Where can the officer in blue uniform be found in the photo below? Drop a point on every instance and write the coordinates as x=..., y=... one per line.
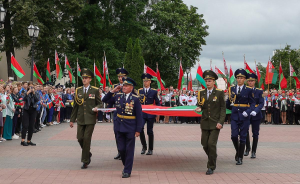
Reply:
x=241, y=102
x=121, y=72
x=255, y=115
x=128, y=124
x=148, y=96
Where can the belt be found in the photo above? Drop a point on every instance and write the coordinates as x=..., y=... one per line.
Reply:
x=241, y=105
x=125, y=117
x=256, y=105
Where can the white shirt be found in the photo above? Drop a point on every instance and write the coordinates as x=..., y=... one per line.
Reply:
x=182, y=99
x=127, y=95
x=86, y=89
x=146, y=90
x=237, y=89
x=208, y=92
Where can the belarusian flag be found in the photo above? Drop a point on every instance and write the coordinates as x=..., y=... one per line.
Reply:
x=220, y=74
x=231, y=76
x=48, y=74
x=97, y=74
x=37, y=74
x=160, y=84
x=180, y=77
x=105, y=81
x=247, y=67
x=148, y=70
x=62, y=104
x=199, y=76
x=16, y=67
x=259, y=80
x=78, y=69
x=293, y=74
x=49, y=105
x=271, y=74
x=190, y=85
x=59, y=73
x=282, y=80
x=68, y=67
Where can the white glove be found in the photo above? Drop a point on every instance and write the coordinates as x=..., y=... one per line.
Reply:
x=253, y=113
x=245, y=114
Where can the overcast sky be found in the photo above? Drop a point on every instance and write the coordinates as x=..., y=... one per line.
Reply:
x=254, y=28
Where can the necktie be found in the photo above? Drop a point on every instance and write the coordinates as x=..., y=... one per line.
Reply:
x=239, y=90
x=85, y=90
x=146, y=91
x=209, y=93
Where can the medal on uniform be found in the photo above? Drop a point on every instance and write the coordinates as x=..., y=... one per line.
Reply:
x=215, y=98
x=233, y=97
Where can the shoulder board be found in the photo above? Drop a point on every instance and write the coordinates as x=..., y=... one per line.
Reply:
x=153, y=89
x=135, y=95
x=79, y=87
x=248, y=87
x=119, y=93
x=94, y=87
x=219, y=89
x=259, y=88
x=140, y=89
x=202, y=89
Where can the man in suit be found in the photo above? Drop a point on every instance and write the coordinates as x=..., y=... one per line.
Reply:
x=128, y=123
x=255, y=115
x=148, y=96
x=121, y=72
x=87, y=100
x=241, y=103
x=212, y=104
x=290, y=108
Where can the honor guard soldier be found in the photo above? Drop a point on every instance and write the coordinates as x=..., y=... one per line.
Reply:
x=241, y=102
x=121, y=72
x=148, y=96
x=212, y=104
x=128, y=123
x=255, y=115
x=87, y=100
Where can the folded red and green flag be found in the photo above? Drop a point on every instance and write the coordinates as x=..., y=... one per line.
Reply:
x=49, y=105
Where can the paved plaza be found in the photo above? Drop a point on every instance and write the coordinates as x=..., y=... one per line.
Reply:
x=178, y=157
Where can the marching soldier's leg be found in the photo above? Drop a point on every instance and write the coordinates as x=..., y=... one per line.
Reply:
x=150, y=135
x=86, y=154
x=130, y=144
x=212, y=149
x=143, y=138
x=255, y=131
x=244, y=127
x=204, y=140
x=247, y=144
x=118, y=156
x=121, y=138
x=234, y=137
x=80, y=135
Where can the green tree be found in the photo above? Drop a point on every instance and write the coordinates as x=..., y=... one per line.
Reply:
x=177, y=31
x=128, y=55
x=137, y=64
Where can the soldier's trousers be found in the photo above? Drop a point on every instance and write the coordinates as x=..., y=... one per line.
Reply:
x=150, y=122
x=84, y=137
x=239, y=128
x=126, y=144
x=209, y=139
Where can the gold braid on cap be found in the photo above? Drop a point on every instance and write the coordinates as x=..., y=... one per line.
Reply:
x=77, y=100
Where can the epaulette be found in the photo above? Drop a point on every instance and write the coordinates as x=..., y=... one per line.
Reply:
x=153, y=89
x=135, y=95
x=248, y=87
x=202, y=89
x=259, y=88
x=140, y=89
x=94, y=87
x=79, y=87
x=119, y=93
x=219, y=89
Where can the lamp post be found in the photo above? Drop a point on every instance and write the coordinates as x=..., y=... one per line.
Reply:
x=187, y=77
x=2, y=15
x=33, y=32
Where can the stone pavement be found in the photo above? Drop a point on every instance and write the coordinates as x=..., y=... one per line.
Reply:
x=178, y=157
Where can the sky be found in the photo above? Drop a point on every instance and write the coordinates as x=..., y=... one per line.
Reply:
x=254, y=28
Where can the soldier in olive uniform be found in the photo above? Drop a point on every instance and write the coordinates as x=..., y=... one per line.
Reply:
x=87, y=100
x=212, y=104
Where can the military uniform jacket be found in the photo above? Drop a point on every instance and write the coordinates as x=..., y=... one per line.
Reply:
x=148, y=99
x=213, y=108
x=129, y=112
x=83, y=105
x=246, y=97
x=259, y=101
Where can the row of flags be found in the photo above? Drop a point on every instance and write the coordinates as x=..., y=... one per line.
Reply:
x=103, y=80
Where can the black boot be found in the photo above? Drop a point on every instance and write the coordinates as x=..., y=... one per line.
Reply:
x=118, y=156
x=236, y=146
x=254, y=147
x=241, y=154
x=247, y=145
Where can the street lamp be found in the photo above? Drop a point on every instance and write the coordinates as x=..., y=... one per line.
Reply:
x=33, y=32
x=2, y=15
x=187, y=77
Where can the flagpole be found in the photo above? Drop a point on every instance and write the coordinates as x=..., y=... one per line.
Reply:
x=268, y=75
x=77, y=72
x=256, y=73
x=290, y=73
x=94, y=73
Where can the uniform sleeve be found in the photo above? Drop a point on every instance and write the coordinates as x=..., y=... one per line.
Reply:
x=251, y=101
x=156, y=99
x=74, y=112
x=222, y=108
x=261, y=103
x=99, y=102
x=109, y=98
x=138, y=116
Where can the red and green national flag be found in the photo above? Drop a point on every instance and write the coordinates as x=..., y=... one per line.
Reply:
x=282, y=79
x=271, y=74
x=106, y=80
x=59, y=73
x=220, y=74
x=160, y=84
x=97, y=74
x=199, y=76
x=259, y=80
x=16, y=67
x=180, y=77
x=247, y=67
x=62, y=104
x=231, y=76
x=78, y=69
x=293, y=74
x=49, y=105
x=68, y=67
x=37, y=75
x=48, y=73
